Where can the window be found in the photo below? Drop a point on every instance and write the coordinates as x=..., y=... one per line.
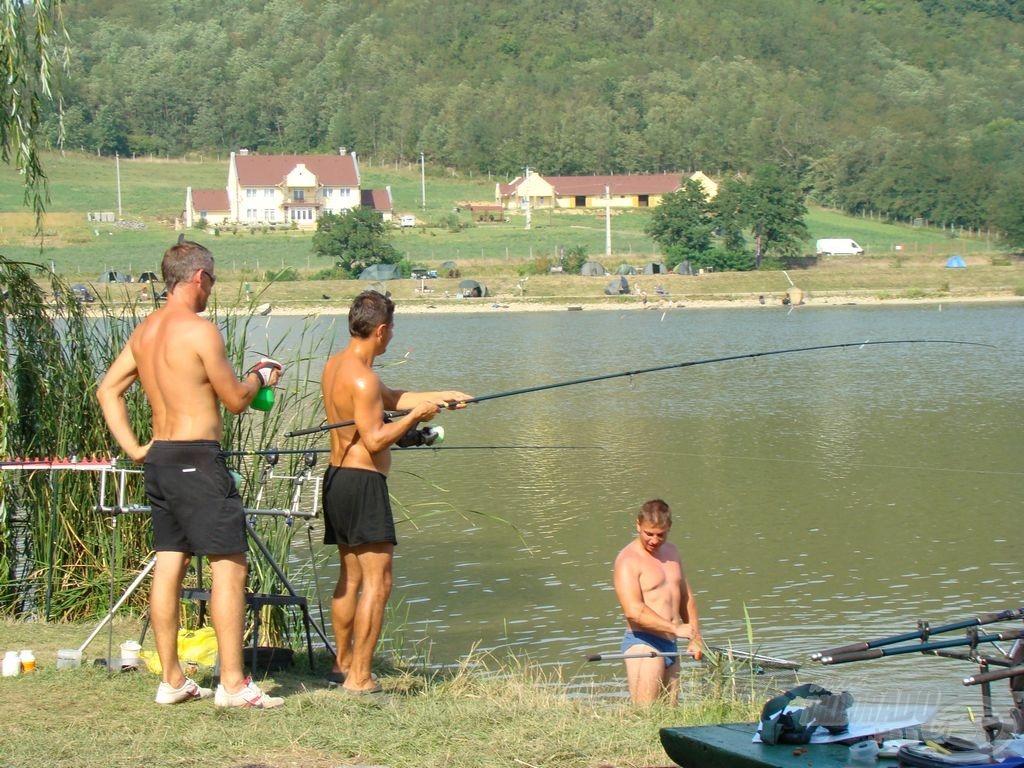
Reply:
x=301, y=214
x=250, y=192
x=268, y=192
x=345, y=193
x=326, y=192
x=251, y=214
x=299, y=195
x=270, y=214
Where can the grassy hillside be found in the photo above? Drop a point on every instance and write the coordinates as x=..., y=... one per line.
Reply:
x=152, y=195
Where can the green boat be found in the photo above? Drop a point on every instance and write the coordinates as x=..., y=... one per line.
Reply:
x=731, y=746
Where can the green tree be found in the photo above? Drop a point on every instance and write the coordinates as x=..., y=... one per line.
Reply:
x=34, y=48
x=356, y=239
x=682, y=224
x=769, y=206
x=1005, y=209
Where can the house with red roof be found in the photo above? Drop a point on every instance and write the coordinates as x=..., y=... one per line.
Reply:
x=285, y=190
x=568, y=192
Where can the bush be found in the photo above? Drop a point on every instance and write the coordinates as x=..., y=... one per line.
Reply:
x=286, y=275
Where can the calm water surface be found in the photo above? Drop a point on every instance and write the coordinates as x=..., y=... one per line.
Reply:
x=831, y=496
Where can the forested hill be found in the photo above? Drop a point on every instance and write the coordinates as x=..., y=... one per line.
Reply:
x=908, y=107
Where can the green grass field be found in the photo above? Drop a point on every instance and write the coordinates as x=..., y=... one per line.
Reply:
x=152, y=194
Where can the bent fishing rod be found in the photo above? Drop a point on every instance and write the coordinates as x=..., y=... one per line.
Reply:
x=638, y=371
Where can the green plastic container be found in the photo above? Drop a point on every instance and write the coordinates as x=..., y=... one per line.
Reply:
x=264, y=399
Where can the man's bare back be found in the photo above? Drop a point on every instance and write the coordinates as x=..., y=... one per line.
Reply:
x=168, y=348
x=343, y=375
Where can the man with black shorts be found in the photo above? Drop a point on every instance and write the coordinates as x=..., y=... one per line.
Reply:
x=181, y=361
x=357, y=509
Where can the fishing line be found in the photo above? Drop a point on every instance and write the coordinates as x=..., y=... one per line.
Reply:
x=652, y=369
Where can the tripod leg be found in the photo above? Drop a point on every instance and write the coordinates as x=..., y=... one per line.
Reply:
x=285, y=583
x=121, y=600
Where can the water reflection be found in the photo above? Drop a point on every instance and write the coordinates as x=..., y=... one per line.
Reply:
x=832, y=496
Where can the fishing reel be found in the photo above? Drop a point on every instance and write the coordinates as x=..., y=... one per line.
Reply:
x=421, y=436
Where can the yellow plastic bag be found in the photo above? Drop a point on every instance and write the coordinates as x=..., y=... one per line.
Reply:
x=196, y=647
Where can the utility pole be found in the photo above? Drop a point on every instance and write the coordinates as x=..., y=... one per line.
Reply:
x=117, y=166
x=423, y=182
x=607, y=221
x=526, y=178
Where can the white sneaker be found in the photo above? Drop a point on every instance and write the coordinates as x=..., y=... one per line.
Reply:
x=189, y=691
x=249, y=696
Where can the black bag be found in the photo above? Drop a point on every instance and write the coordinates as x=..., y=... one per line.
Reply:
x=829, y=710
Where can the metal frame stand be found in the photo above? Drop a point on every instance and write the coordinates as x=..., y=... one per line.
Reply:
x=254, y=601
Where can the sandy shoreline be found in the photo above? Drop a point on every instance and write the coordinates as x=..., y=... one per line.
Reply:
x=451, y=306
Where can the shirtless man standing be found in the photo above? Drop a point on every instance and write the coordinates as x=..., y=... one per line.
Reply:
x=659, y=606
x=180, y=359
x=357, y=508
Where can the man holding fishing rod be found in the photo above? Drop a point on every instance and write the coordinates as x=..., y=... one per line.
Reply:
x=181, y=361
x=357, y=507
x=659, y=606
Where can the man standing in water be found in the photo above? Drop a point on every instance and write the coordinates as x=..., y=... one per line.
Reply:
x=659, y=606
x=180, y=359
x=357, y=508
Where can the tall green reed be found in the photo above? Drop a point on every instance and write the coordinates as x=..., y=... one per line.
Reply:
x=54, y=545
x=59, y=556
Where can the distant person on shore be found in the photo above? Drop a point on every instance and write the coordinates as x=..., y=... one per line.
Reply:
x=180, y=359
x=659, y=607
x=357, y=508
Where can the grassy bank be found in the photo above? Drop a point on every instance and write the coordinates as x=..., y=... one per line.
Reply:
x=899, y=257
x=513, y=715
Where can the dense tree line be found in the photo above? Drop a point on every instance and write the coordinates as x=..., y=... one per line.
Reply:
x=909, y=108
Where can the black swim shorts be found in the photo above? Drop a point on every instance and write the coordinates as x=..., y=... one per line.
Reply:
x=357, y=508
x=196, y=506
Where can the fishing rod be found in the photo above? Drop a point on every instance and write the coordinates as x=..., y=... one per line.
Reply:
x=303, y=451
x=765, y=661
x=923, y=632
x=652, y=369
x=876, y=653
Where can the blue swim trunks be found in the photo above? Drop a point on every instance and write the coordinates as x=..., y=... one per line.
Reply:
x=657, y=642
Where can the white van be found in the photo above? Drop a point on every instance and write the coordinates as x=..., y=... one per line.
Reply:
x=407, y=221
x=838, y=246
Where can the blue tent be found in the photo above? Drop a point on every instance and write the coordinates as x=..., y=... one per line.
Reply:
x=955, y=262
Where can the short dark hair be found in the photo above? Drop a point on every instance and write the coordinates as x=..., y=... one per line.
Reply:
x=655, y=512
x=182, y=260
x=369, y=309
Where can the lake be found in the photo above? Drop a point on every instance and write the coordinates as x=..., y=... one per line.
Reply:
x=830, y=496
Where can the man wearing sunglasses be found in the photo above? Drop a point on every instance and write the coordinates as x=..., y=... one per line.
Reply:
x=180, y=359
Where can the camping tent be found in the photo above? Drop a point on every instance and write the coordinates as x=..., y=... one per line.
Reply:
x=625, y=269
x=472, y=289
x=655, y=268
x=617, y=287
x=448, y=269
x=955, y=262
x=684, y=268
x=381, y=272
x=593, y=269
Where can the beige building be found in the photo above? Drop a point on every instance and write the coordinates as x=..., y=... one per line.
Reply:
x=566, y=192
x=285, y=190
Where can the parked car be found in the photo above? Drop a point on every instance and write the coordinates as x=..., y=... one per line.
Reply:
x=838, y=246
x=82, y=293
